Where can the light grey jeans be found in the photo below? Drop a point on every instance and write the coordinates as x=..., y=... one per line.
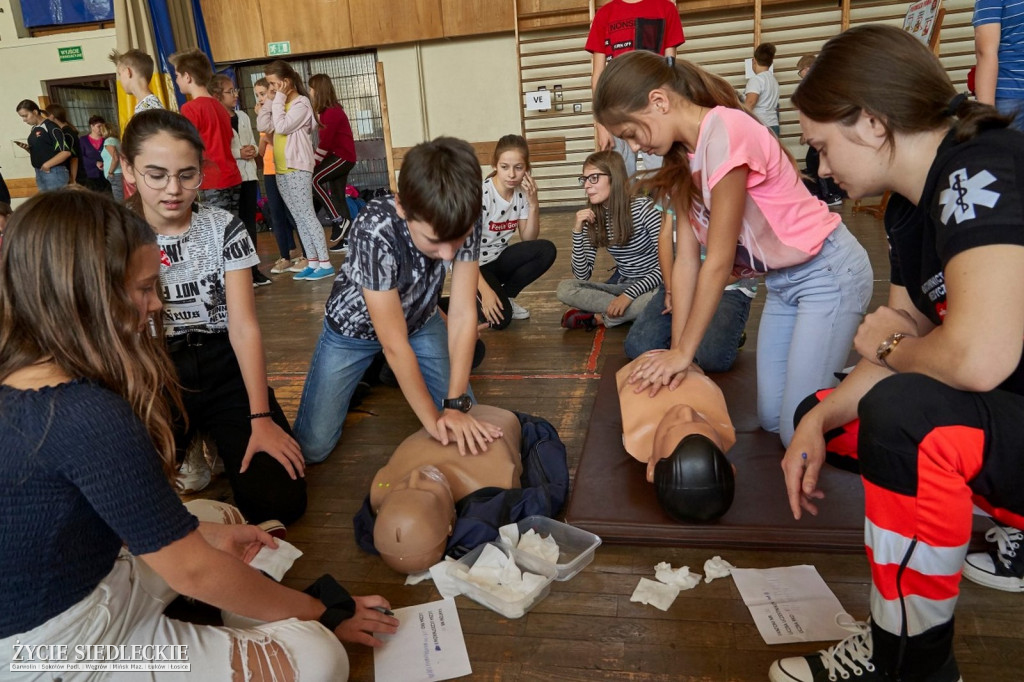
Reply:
x=594, y=297
x=296, y=189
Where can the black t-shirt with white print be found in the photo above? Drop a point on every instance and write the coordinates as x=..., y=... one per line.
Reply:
x=192, y=267
x=973, y=196
x=381, y=257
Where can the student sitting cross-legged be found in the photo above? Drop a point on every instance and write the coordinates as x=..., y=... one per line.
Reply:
x=385, y=298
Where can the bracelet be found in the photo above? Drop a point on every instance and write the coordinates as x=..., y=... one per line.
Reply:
x=260, y=415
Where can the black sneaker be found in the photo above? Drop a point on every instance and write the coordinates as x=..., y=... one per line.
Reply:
x=339, y=230
x=260, y=280
x=850, y=659
x=340, y=247
x=1001, y=568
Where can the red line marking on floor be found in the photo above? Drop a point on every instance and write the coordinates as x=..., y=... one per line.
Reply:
x=595, y=351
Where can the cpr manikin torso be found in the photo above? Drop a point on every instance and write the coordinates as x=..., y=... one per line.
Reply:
x=682, y=436
x=414, y=494
x=652, y=426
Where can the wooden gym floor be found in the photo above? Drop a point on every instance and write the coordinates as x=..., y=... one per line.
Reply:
x=586, y=629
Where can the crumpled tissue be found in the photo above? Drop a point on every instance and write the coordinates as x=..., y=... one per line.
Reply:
x=276, y=562
x=679, y=577
x=497, y=574
x=717, y=567
x=655, y=594
x=439, y=574
x=531, y=542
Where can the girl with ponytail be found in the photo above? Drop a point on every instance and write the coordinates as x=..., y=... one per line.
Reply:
x=745, y=202
x=939, y=390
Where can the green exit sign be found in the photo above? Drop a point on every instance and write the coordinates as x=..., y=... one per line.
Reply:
x=279, y=48
x=70, y=54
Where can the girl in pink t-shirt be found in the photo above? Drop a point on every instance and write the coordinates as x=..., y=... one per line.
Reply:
x=747, y=205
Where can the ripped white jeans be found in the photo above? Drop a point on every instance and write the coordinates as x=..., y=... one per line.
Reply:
x=127, y=608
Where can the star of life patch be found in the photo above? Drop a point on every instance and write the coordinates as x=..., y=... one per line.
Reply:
x=964, y=194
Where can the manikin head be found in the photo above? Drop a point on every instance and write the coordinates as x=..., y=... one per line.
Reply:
x=414, y=521
x=695, y=482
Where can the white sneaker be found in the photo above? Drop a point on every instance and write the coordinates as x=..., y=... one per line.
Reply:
x=194, y=474
x=1001, y=568
x=518, y=311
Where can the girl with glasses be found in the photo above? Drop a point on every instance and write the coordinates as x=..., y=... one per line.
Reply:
x=95, y=543
x=209, y=320
x=745, y=202
x=626, y=226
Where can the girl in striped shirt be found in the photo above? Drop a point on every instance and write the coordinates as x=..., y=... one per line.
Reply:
x=628, y=228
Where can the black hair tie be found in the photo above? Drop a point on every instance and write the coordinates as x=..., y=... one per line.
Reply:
x=954, y=104
x=671, y=61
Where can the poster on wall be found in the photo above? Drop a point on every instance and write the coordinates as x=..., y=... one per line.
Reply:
x=920, y=19
x=36, y=13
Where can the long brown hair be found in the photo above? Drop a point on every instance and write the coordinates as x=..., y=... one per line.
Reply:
x=623, y=91
x=615, y=211
x=510, y=143
x=282, y=69
x=324, y=96
x=64, y=298
x=889, y=73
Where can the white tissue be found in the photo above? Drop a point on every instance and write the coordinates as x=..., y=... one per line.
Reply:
x=539, y=546
x=417, y=578
x=655, y=594
x=509, y=535
x=717, y=567
x=276, y=562
x=442, y=580
x=679, y=577
x=497, y=574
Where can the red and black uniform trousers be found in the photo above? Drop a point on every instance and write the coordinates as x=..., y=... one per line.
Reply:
x=926, y=453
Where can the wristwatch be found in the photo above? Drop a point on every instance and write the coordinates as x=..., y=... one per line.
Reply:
x=888, y=346
x=462, y=403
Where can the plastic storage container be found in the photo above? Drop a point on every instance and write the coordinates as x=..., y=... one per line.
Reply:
x=576, y=547
x=509, y=609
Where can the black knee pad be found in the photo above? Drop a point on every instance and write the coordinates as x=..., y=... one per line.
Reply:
x=695, y=483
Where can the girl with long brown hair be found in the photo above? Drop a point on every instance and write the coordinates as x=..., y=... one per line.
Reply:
x=290, y=117
x=335, y=157
x=628, y=227
x=939, y=390
x=95, y=541
x=746, y=204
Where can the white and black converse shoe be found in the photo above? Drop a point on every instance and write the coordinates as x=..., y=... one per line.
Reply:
x=1001, y=568
x=849, y=660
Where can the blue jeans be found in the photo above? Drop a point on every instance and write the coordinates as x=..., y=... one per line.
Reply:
x=1012, y=107
x=339, y=362
x=55, y=179
x=720, y=345
x=811, y=314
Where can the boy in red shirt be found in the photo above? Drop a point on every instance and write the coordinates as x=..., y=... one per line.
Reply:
x=222, y=180
x=625, y=25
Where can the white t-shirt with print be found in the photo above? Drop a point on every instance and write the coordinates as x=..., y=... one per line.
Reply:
x=501, y=220
x=766, y=108
x=192, y=267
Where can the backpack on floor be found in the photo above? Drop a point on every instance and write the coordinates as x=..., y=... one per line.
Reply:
x=545, y=488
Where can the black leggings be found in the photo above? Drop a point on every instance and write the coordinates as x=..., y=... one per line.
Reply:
x=217, y=404
x=334, y=172
x=518, y=266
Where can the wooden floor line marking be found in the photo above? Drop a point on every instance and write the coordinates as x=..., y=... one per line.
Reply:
x=595, y=351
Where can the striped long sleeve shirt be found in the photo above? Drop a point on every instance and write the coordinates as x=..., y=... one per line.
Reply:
x=636, y=261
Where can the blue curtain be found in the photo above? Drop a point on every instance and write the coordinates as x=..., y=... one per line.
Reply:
x=61, y=12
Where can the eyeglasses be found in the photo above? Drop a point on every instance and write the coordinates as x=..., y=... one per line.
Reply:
x=591, y=179
x=187, y=179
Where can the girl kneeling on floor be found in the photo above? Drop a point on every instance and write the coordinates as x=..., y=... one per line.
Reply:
x=628, y=227
x=747, y=206
x=96, y=543
x=209, y=320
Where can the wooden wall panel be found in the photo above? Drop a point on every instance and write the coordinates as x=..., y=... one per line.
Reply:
x=309, y=25
x=235, y=28
x=477, y=17
x=395, y=21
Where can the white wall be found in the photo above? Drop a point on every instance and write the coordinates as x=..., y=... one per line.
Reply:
x=27, y=64
x=468, y=89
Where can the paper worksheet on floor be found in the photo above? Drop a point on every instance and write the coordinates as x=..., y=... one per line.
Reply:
x=792, y=604
x=428, y=647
